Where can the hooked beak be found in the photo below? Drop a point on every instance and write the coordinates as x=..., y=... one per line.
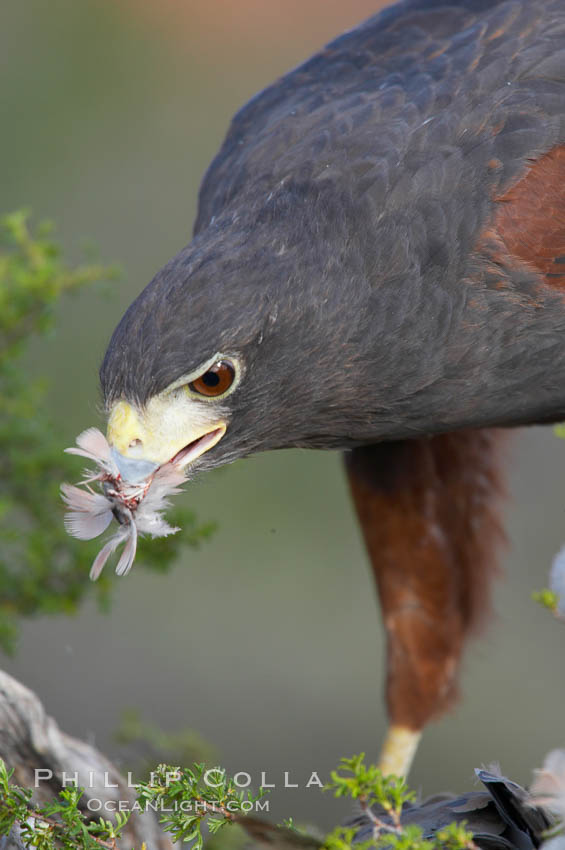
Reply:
x=169, y=429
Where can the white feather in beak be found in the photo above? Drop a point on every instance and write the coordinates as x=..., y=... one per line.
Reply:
x=136, y=507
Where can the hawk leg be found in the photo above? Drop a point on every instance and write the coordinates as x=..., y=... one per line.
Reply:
x=428, y=509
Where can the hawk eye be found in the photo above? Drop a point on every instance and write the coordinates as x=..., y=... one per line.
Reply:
x=216, y=380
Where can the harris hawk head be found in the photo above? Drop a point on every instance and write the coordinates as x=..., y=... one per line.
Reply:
x=247, y=340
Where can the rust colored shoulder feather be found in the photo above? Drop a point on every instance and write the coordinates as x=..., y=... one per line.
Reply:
x=530, y=217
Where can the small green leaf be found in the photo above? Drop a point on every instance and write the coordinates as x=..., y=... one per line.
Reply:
x=547, y=599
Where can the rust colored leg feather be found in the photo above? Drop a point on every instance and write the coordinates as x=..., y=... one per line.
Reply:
x=428, y=510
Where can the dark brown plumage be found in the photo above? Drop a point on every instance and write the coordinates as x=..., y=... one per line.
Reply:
x=379, y=252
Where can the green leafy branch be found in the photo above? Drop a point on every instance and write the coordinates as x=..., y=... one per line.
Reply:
x=33, y=277
x=186, y=797
x=43, y=570
x=57, y=825
x=146, y=744
x=548, y=599
x=372, y=789
x=192, y=797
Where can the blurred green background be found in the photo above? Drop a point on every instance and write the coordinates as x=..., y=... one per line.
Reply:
x=110, y=112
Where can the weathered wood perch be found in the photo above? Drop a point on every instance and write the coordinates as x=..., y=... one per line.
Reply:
x=30, y=740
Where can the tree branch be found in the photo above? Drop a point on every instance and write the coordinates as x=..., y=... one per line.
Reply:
x=31, y=740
